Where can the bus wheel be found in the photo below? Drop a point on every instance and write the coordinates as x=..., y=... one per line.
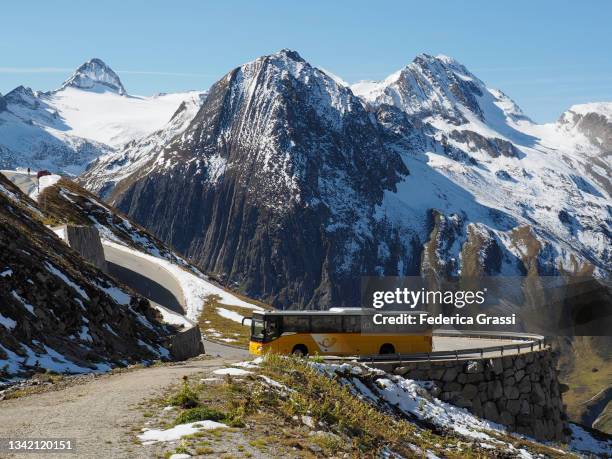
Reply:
x=299, y=350
x=387, y=349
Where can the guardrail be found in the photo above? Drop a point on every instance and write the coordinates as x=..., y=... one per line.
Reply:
x=530, y=343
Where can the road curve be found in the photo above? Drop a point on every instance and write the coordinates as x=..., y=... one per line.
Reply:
x=146, y=278
x=26, y=183
x=161, y=288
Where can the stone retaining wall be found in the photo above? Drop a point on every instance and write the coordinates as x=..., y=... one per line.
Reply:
x=521, y=392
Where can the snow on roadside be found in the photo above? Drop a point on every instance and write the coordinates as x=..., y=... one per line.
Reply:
x=411, y=398
x=171, y=317
x=150, y=436
x=195, y=287
x=231, y=315
x=44, y=182
x=232, y=372
x=7, y=322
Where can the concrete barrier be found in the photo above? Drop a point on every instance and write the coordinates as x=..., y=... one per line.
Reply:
x=186, y=344
x=86, y=241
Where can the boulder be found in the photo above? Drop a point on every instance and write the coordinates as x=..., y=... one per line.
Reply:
x=495, y=390
x=496, y=366
x=524, y=386
x=514, y=406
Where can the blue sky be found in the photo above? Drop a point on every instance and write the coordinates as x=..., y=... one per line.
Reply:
x=546, y=55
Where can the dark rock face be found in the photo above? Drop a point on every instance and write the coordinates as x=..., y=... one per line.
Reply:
x=596, y=127
x=22, y=96
x=59, y=312
x=494, y=147
x=2, y=103
x=273, y=185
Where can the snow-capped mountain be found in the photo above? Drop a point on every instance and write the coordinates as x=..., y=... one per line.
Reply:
x=291, y=184
x=103, y=173
x=90, y=115
x=95, y=75
x=539, y=175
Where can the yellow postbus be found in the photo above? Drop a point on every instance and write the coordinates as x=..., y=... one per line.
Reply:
x=337, y=332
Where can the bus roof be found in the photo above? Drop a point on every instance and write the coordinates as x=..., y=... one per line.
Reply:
x=332, y=312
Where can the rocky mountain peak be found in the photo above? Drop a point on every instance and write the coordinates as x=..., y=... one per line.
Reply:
x=287, y=53
x=23, y=96
x=593, y=120
x=439, y=86
x=95, y=75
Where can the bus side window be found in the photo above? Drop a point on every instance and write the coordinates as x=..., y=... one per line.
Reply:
x=352, y=324
x=326, y=324
x=296, y=324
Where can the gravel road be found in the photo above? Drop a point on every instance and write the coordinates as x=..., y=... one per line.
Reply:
x=99, y=415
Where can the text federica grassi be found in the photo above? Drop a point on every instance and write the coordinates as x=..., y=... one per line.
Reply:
x=426, y=319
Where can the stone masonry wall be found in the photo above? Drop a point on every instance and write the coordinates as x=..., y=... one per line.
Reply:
x=521, y=392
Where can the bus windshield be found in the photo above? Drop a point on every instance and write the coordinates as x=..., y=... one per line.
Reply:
x=257, y=329
x=264, y=330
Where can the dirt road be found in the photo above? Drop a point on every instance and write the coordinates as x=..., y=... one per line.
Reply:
x=101, y=415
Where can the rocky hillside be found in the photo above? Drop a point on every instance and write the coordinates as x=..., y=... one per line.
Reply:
x=290, y=185
x=58, y=312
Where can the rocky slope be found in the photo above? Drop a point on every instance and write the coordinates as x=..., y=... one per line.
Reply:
x=280, y=118
x=290, y=185
x=58, y=312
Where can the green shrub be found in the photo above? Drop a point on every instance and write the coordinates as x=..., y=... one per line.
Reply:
x=235, y=418
x=201, y=413
x=185, y=398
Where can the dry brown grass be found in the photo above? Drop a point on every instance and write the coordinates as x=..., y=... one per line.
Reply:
x=225, y=328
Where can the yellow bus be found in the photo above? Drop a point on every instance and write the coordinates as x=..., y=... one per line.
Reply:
x=337, y=332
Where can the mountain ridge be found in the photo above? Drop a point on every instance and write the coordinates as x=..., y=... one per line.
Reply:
x=450, y=154
x=89, y=116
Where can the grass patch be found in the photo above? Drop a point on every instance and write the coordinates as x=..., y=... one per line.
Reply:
x=344, y=425
x=580, y=376
x=224, y=329
x=201, y=413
